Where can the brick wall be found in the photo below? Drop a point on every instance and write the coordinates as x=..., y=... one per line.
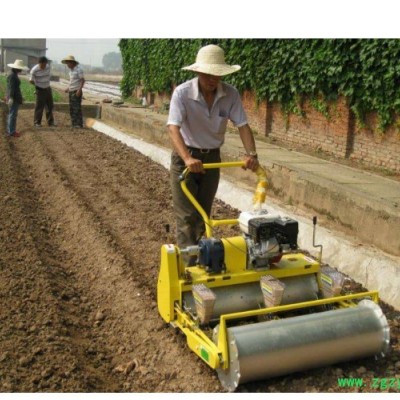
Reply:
x=256, y=112
x=381, y=150
x=313, y=130
x=339, y=135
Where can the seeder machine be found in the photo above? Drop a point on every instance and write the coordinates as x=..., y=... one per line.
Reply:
x=255, y=306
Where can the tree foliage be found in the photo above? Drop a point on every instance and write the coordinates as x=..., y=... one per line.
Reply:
x=112, y=61
x=365, y=71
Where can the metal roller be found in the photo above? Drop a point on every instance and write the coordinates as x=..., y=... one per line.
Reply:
x=267, y=349
x=249, y=296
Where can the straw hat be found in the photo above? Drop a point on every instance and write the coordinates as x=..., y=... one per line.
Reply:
x=18, y=64
x=69, y=58
x=211, y=60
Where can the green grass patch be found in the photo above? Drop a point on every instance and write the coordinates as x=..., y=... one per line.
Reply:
x=27, y=89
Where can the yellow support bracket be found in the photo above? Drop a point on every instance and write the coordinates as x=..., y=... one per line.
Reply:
x=197, y=340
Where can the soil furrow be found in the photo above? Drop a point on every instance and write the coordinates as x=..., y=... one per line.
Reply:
x=46, y=288
x=114, y=285
x=81, y=225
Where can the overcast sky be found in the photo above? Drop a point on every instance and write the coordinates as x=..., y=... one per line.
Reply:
x=207, y=19
x=86, y=51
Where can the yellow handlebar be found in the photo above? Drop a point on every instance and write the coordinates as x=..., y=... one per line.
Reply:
x=259, y=195
x=217, y=165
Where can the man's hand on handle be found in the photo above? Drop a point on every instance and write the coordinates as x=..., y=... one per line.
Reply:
x=251, y=162
x=194, y=165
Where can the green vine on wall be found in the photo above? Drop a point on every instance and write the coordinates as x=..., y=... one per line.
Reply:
x=365, y=71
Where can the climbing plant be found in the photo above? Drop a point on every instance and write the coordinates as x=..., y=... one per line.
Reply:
x=288, y=71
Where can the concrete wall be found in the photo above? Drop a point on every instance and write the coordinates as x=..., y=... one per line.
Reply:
x=88, y=110
x=37, y=44
x=360, y=217
x=27, y=50
x=150, y=127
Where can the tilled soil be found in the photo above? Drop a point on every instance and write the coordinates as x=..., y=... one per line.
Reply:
x=81, y=224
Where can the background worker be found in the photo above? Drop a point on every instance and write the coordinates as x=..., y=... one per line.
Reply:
x=76, y=82
x=14, y=96
x=40, y=78
x=198, y=116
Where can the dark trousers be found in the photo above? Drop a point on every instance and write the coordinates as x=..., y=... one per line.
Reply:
x=189, y=223
x=12, y=118
x=44, y=99
x=75, y=109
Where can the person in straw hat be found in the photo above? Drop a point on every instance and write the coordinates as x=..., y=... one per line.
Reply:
x=14, y=96
x=76, y=82
x=199, y=111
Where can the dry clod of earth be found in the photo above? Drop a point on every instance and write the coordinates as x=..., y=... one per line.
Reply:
x=81, y=224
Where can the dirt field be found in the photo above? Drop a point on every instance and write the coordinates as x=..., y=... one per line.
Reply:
x=81, y=224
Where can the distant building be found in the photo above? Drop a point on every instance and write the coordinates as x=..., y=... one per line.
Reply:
x=27, y=50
